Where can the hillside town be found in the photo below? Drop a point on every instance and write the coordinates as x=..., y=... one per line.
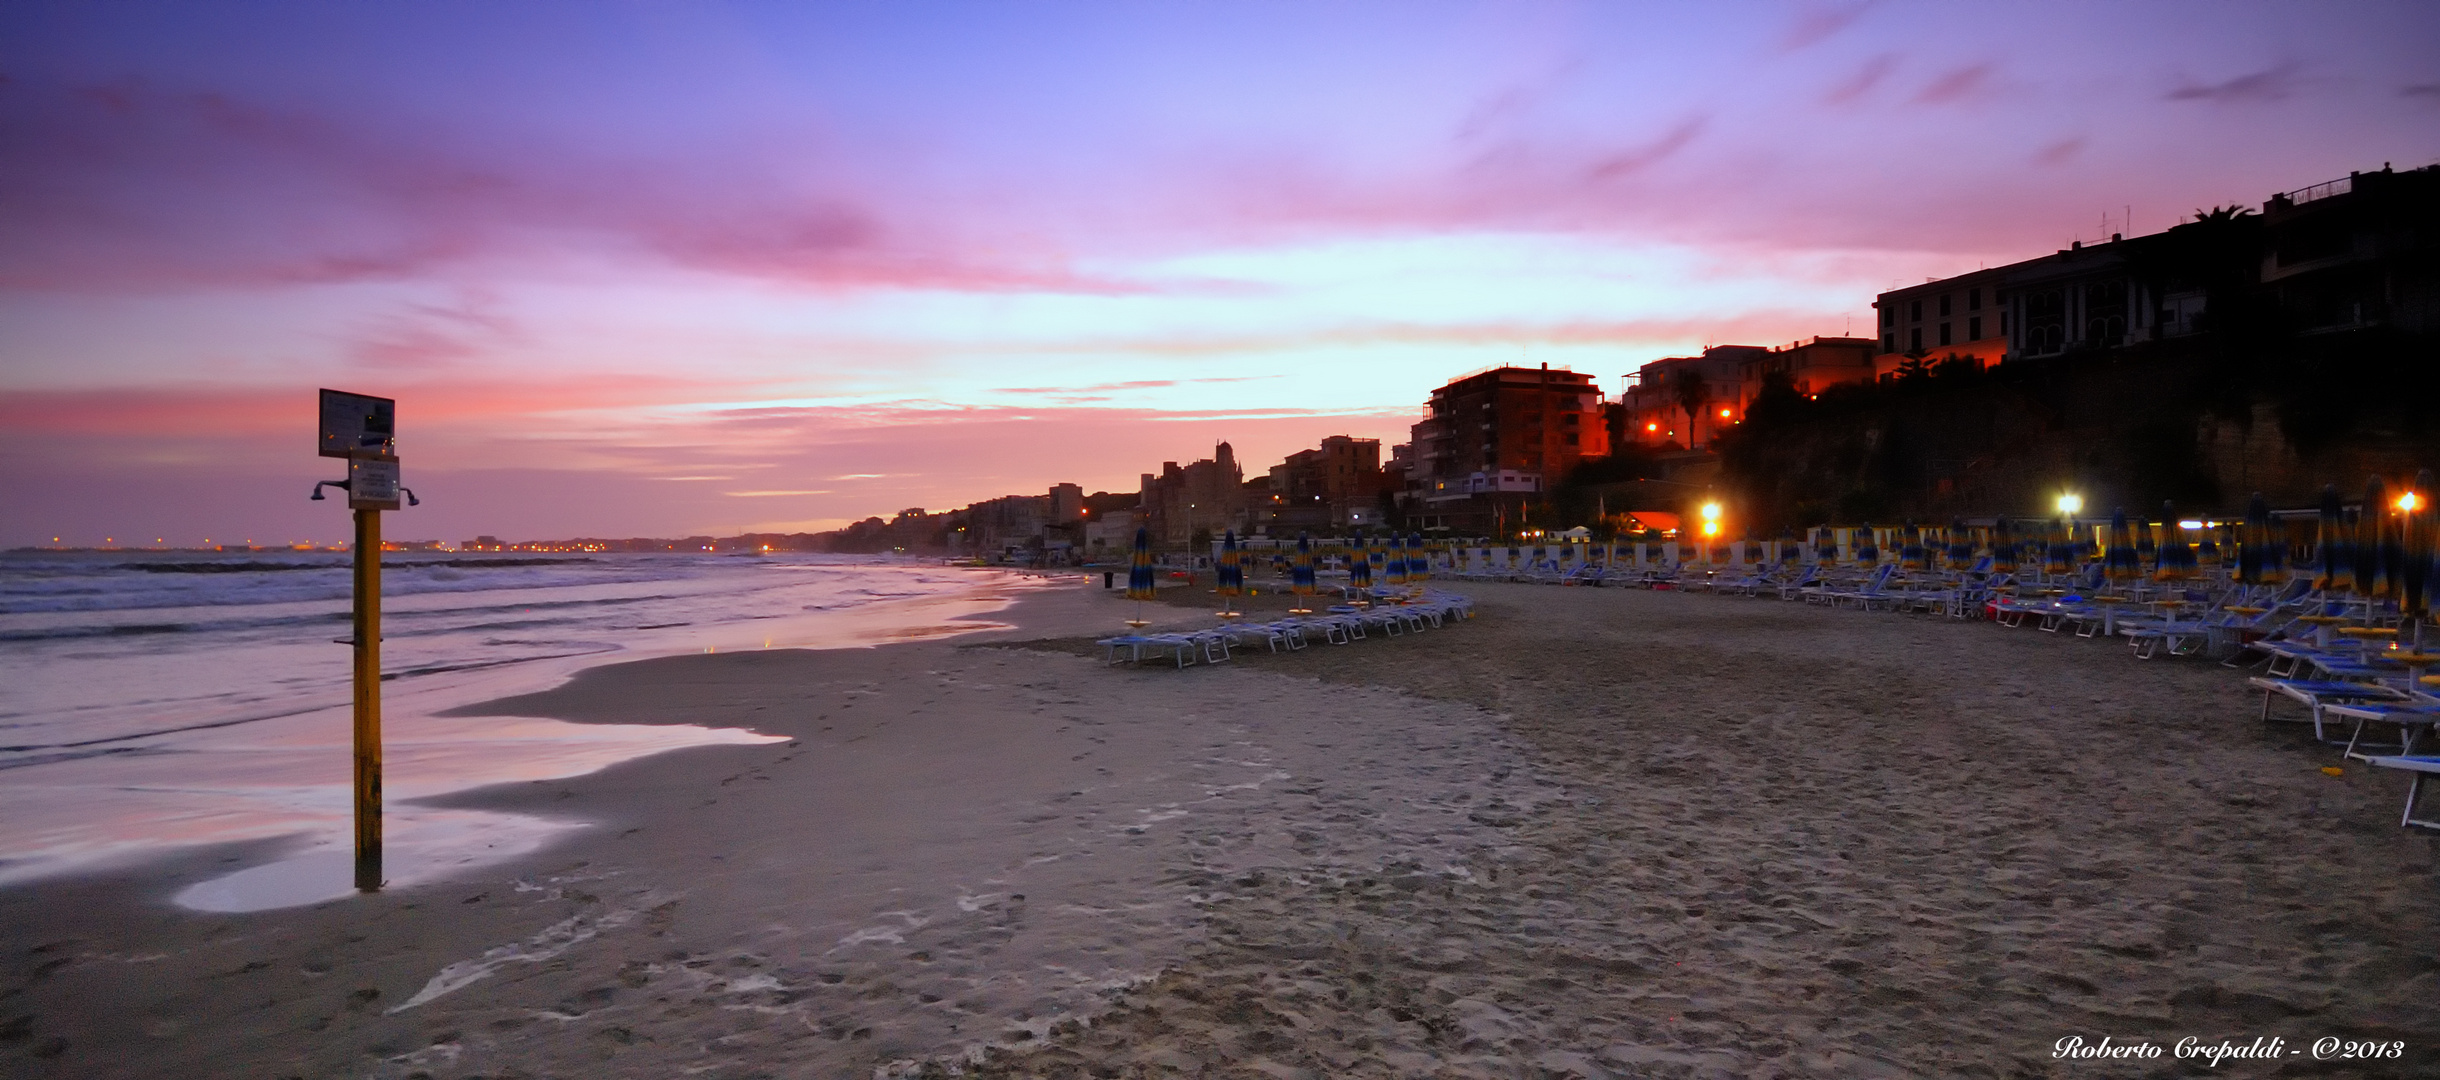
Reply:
x=2340, y=267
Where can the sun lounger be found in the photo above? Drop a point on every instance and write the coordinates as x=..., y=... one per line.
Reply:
x=2318, y=694
x=2411, y=718
x=2420, y=767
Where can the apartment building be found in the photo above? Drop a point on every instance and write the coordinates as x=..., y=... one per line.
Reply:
x=1540, y=421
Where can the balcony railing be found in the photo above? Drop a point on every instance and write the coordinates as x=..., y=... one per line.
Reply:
x=2323, y=190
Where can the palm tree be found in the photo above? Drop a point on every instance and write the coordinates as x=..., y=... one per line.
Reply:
x=1689, y=389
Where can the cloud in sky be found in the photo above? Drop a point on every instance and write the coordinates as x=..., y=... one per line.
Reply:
x=780, y=245
x=2275, y=83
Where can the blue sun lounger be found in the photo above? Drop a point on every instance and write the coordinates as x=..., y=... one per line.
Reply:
x=2421, y=767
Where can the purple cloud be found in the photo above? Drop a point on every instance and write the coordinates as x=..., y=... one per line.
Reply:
x=2266, y=85
x=1637, y=159
x=1955, y=85
x=1863, y=81
x=2060, y=152
x=1817, y=23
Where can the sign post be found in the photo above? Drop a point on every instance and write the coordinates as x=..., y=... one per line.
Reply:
x=361, y=429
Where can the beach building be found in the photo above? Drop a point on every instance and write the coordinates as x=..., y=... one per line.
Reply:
x=1686, y=400
x=1541, y=421
x=2345, y=254
x=2355, y=253
x=1495, y=438
x=1722, y=382
x=1207, y=495
x=1332, y=486
x=1811, y=366
x=1114, y=530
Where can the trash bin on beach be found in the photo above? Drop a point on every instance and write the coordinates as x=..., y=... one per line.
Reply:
x=1107, y=577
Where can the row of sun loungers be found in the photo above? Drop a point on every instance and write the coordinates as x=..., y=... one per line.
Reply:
x=1390, y=613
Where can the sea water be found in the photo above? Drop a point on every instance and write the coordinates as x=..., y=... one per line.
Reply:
x=153, y=701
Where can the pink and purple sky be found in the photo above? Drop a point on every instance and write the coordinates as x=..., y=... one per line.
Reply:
x=673, y=268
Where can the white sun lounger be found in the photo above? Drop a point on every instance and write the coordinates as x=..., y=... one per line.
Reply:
x=2421, y=767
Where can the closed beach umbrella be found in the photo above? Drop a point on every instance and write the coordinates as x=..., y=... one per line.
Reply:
x=2118, y=560
x=1140, y=582
x=1825, y=544
x=2003, y=548
x=1867, y=547
x=2208, y=550
x=2059, y=549
x=1300, y=574
x=2255, y=553
x=2175, y=559
x=2419, y=546
x=1419, y=559
x=1393, y=570
x=1359, y=564
x=1911, y=555
x=1791, y=547
x=2330, y=548
x=1961, y=546
x=2376, y=552
x=1232, y=566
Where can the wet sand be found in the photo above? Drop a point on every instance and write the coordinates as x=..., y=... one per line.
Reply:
x=1591, y=832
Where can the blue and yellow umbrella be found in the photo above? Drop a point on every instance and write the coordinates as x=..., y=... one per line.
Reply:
x=2257, y=558
x=2377, y=552
x=1393, y=571
x=1359, y=563
x=1825, y=544
x=2003, y=548
x=2119, y=562
x=1231, y=571
x=2330, y=548
x=1300, y=574
x=1418, y=559
x=1912, y=557
x=1141, y=584
x=2059, y=558
x=1961, y=546
x=2175, y=560
x=2419, y=549
x=1867, y=546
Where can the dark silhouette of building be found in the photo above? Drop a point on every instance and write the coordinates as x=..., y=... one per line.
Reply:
x=1208, y=495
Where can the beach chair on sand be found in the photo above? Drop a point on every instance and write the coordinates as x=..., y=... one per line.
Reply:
x=2318, y=695
x=2411, y=719
x=1790, y=590
x=2420, y=767
x=1873, y=591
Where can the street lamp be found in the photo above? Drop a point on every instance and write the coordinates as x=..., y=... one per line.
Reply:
x=2070, y=503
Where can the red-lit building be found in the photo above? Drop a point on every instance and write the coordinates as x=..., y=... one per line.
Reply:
x=1529, y=420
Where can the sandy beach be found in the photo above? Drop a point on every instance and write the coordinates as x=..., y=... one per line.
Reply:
x=1588, y=833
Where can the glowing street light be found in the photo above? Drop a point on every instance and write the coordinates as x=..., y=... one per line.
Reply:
x=2408, y=502
x=2070, y=503
x=1711, y=519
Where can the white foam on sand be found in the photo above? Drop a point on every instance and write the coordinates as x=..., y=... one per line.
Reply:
x=287, y=776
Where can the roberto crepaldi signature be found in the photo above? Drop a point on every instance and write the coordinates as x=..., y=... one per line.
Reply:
x=2274, y=1047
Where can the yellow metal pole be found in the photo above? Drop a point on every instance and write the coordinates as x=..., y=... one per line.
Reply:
x=368, y=700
